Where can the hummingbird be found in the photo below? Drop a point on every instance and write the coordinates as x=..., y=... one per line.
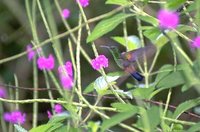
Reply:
x=127, y=60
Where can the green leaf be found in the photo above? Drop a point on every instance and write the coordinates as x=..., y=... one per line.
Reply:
x=64, y=128
x=106, y=26
x=19, y=128
x=124, y=107
x=185, y=106
x=55, y=127
x=174, y=4
x=167, y=78
x=196, y=67
x=177, y=127
x=130, y=45
x=164, y=71
x=171, y=80
x=93, y=126
x=142, y=93
x=89, y=88
x=101, y=84
x=168, y=68
x=118, y=2
x=149, y=19
x=152, y=118
x=194, y=128
x=152, y=33
x=58, y=118
x=116, y=119
x=124, y=93
x=41, y=128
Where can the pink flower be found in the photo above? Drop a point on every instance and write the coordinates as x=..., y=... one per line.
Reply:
x=196, y=42
x=95, y=64
x=168, y=19
x=49, y=114
x=46, y=63
x=67, y=67
x=2, y=93
x=58, y=108
x=99, y=62
x=83, y=3
x=65, y=13
x=31, y=53
x=66, y=75
x=103, y=60
x=15, y=117
x=66, y=81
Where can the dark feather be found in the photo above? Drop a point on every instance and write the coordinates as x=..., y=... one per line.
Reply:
x=137, y=76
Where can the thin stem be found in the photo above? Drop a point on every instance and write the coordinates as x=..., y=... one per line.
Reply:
x=90, y=112
x=3, y=124
x=28, y=101
x=154, y=60
x=48, y=87
x=35, y=93
x=195, y=26
x=173, y=49
x=16, y=91
x=71, y=51
x=79, y=64
x=145, y=58
x=179, y=121
x=125, y=32
x=11, y=96
x=88, y=28
x=167, y=102
x=183, y=54
x=182, y=35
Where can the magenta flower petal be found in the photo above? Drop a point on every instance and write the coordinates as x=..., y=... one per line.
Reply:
x=46, y=63
x=196, y=42
x=168, y=19
x=58, y=108
x=83, y=3
x=65, y=13
x=3, y=93
x=99, y=62
x=49, y=114
x=7, y=116
x=66, y=75
x=67, y=82
x=69, y=68
x=66, y=68
x=103, y=60
x=31, y=53
x=95, y=64
x=50, y=62
x=15, y=117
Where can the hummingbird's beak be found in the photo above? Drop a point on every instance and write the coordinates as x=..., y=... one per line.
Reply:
x=104, y=46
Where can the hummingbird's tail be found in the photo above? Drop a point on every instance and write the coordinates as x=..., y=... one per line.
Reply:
x=137, y=76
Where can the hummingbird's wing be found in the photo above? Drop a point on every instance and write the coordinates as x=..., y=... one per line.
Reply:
x=138, y=54
x=132, y=71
